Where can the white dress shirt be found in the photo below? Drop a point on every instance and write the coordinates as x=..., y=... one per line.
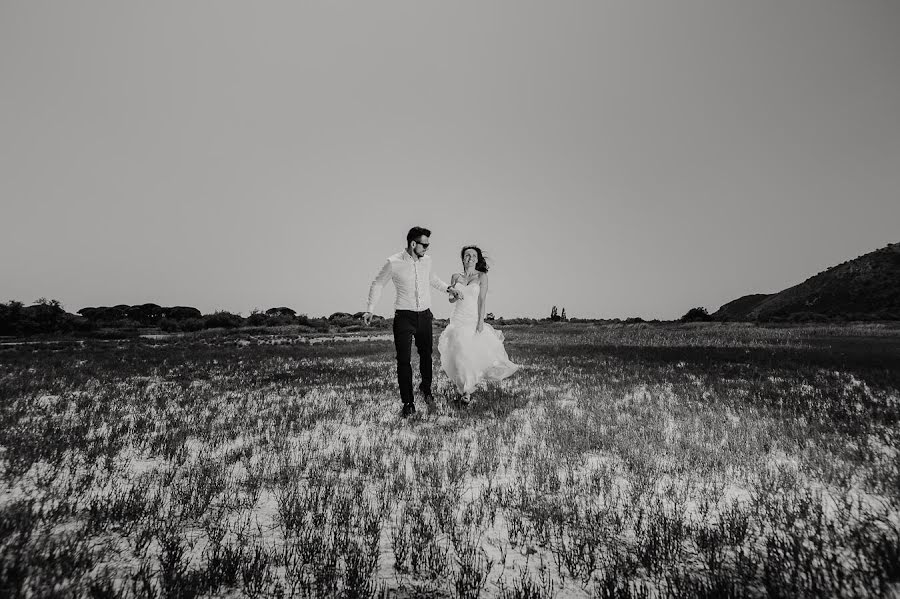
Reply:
x=412, y=279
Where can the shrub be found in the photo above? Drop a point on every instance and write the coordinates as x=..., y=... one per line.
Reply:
x=222, y=319
x=257, y=319
x=192, y=324
x=168, y=325
x=319, y=324
x=282, y=320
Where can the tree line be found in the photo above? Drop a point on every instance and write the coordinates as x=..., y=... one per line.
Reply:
x=47, y=316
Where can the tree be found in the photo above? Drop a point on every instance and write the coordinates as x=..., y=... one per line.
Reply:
x=146, y=313
x=563, y=315
x=43, y=301
x=44, y=316
x=698, y=314
x=182, y=312
x=554, y=316
x=103, y=313
x=11, y=318
x=47, y=313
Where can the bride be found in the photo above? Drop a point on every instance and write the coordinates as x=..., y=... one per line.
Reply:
x=472, y=350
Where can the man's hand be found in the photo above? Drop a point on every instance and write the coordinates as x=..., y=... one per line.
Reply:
x=454, y=294
x=367, y=318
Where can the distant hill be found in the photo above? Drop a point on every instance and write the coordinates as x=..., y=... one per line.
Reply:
x=866, y=288
x=739, y=309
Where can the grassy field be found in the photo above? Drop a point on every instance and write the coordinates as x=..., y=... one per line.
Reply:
x=621, y=461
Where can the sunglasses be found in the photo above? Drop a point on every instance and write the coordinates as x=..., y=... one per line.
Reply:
x=424, y=245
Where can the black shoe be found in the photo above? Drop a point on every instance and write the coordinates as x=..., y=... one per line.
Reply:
x=427, y=396
x=408, y=410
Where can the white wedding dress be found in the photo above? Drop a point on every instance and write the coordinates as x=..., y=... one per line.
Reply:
x=469, y=357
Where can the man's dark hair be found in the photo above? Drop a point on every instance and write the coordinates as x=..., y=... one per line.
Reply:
x=417, y=232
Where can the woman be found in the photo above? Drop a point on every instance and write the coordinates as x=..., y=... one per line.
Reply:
x=472, y=350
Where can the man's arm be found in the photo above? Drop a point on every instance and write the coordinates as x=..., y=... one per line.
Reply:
x=437, y=283
x=453, y=279
x=377, y=286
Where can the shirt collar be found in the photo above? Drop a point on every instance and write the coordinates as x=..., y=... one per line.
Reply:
x=405, y=255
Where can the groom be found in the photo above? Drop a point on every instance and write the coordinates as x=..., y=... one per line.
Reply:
x=410, y=270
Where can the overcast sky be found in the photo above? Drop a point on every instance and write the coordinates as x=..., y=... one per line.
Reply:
x=616, y=158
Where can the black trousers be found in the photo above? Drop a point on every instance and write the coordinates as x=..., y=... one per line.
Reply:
x=409, y=325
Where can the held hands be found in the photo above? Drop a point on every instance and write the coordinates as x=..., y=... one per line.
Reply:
x=454, y=294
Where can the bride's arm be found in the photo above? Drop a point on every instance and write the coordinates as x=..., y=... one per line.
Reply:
x=482, y=300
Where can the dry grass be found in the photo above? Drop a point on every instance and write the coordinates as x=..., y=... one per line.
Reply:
x=646, y=461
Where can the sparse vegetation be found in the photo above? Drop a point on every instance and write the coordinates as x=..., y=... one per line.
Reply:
x=676, y=460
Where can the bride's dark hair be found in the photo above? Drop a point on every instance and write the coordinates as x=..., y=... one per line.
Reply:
x=480, y=264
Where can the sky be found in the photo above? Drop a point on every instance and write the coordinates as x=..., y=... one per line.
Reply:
x=616, y=158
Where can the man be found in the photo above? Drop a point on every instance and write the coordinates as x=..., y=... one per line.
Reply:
x=410, y=270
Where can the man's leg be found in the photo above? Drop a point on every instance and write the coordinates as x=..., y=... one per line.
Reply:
x=424, y=342
x=404, y=329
